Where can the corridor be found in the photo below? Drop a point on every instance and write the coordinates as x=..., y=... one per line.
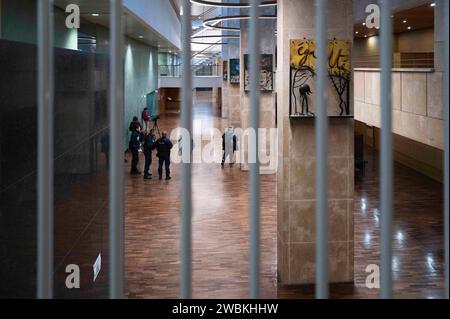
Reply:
x=220, y=230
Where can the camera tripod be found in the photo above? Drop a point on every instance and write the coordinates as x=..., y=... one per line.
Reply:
x=156, y=128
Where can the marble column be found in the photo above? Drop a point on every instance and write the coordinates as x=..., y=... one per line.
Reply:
x=267, y=104
x=234, y=102
x=297, y=158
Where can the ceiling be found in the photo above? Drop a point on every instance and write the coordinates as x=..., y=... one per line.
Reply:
x=134, y=27
x=418, y=18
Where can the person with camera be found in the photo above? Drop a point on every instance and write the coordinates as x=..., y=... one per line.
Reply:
x=163, y=147
x=149, y=145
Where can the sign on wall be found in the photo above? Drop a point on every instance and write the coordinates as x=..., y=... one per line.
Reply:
x=265, y=75
x=303, y=72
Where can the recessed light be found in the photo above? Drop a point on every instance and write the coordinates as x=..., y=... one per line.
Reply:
x=404, y=21
x=356, y=32
x=141, y=37
x=95, y=14
x=365, y=35
x=433, y=4
x=409, y=28
x=363, y=23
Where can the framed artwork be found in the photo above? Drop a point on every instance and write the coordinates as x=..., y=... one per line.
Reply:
x=235, y=71
x=265, y=75
x=225, y=70
x=303, y=73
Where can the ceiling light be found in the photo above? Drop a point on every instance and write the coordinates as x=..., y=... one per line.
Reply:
x=433, y=4
x=95, y=14
x=409, y=28
x=365, y=35
x=356, y=32
x=404, y=21
x=363, y=23
x=141, y=37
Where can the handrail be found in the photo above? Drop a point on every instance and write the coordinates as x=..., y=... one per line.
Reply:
x=197, y=69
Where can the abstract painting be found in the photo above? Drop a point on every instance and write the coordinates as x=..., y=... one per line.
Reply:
x=303, y=71
x=225, y=70
x=265, y=75
x=235, y=71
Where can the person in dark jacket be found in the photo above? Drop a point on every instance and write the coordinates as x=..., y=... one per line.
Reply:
x=135, y=143
x=135, y=123
x=149, y=145
x=163, y=146
x=229, y=145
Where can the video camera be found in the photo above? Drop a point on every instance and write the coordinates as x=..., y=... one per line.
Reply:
x=155, y=118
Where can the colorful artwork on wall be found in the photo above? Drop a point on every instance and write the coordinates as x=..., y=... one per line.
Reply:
x=235, y=71
x=225, y=70
x=265, y=75
x=303, y=72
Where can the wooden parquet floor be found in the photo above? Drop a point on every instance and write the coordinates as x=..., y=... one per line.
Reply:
x=220, y=231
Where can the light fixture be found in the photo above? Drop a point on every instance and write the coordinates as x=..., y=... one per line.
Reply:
x=232, y=5
x=95, y=14
x=409, y=28
x=228, y=36
x=365, y=35
x=364, y=23
x=356, y=32
x=432, y=4
x=141, y=37
x=213, y=23
x=404, y=21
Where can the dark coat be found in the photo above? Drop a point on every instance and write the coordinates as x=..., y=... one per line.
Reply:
x=134, y=140
x=163, y=147
x=149, y=143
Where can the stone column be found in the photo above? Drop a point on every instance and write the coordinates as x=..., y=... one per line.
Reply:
x=297, y=158
x=267, y=105
x=234, y=103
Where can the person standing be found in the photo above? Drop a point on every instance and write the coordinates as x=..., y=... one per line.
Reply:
x=149, y=145
x=146, y=119
x=163, y=147
x=229, y=145
x=133, y=146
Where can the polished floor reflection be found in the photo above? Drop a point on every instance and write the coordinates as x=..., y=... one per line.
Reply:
x=220, y=231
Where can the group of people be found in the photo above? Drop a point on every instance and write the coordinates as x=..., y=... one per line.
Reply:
x=149, y=142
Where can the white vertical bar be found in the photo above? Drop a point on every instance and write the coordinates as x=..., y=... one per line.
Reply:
x=446, y=160
x=116, y=172
x=254, y=176
x=186, y=178
x=45, y=150
x=322, y=154
x=387, y=171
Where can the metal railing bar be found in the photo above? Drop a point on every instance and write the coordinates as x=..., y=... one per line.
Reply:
x=386, y=158
x=446, y=143
x=45, y=162
x=116, y=173
x=186, y=172
x=322, y=155
x=254, y=168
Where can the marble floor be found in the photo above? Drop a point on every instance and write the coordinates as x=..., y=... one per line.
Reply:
x=220, y=231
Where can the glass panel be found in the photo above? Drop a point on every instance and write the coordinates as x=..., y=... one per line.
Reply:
x=18, y=148
x=81, y=149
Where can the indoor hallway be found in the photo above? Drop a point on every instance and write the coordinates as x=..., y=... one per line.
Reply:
x=220, y=230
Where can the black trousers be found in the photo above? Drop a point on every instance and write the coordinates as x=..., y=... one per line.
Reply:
x=164, y=160
x=135, y=159
x=148, y=162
